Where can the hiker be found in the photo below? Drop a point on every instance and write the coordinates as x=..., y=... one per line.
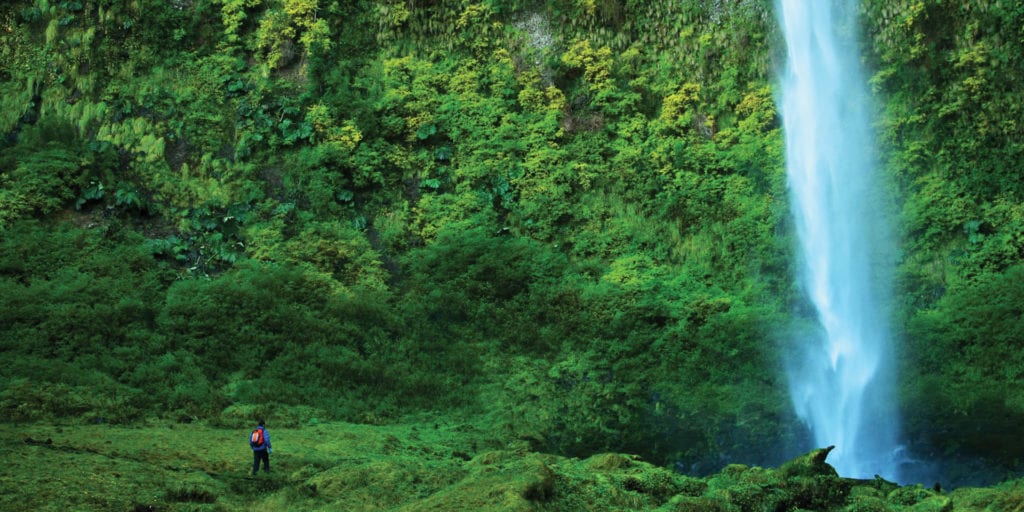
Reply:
x=259, y=441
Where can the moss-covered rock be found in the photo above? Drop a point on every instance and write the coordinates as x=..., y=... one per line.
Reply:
x=749, y=488
x=1008, y=496
x=865, y=491
x=385, y=483
x=635, y=475
x=933, y=504
x=699, y=504
x=496, y=481
x=610, y=461
x=865, y=504
x=909, y=495
x=809, y=465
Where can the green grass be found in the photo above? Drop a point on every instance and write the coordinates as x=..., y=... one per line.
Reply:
x=435, y=465
x=194, y=467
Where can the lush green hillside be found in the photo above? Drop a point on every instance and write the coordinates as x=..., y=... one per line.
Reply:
x=566, y=218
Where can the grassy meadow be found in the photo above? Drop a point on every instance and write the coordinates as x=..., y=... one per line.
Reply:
x=443, y=466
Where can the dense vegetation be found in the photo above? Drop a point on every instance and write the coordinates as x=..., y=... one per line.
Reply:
x=567, y=217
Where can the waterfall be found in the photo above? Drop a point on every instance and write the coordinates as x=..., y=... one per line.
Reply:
x=840, y=379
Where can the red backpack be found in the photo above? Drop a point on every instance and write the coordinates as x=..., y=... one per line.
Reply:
x=256, y=438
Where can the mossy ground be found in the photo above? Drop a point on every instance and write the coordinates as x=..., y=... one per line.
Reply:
x=411, y=467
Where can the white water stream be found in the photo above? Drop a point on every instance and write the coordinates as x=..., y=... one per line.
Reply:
x=839, y=380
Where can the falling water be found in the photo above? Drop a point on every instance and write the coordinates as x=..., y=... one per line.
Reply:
x=839, y=380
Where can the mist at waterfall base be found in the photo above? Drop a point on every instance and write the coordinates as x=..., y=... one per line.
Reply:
x=840, y=377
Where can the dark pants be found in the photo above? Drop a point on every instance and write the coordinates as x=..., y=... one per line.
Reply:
x=257, y=456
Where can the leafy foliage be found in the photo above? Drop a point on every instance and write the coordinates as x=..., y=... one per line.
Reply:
x=566, y=217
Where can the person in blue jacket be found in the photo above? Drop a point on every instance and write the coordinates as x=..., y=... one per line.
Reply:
x=259, y=441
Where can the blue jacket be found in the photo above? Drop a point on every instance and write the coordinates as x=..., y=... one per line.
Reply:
x=266, y=441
